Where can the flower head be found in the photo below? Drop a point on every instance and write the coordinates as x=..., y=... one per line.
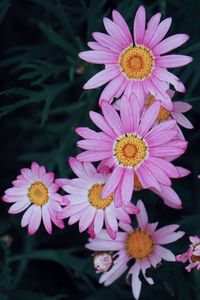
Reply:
x=35, y=191
x=86, y=205
x=192, y=255
x=131, y=144
x=142, y=244
x=136, y=64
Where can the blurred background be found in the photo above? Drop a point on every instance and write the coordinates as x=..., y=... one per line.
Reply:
x=42, y=102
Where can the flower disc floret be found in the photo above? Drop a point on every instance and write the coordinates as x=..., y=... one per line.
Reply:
x=136, y=62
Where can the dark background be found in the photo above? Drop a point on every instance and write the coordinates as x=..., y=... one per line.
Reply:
x=42, y=102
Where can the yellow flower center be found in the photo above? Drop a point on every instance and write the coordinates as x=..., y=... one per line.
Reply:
x=163, y=115
x=139, y=244
x=38, y=193
x=195, y=258
x=94, y=197
x=136, y=62
x=137, y=184
x=130, y=150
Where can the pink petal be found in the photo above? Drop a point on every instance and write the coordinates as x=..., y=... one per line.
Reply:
x=19, y=206
x=99, y=57
x=164, y=126
x=170, y=43
x=148, y=178
x=102, y=77
x=111, y=89
x=110, y=245
x=112, y=118
x=98, y=221
x=127, y=186
x=16, y=191
x=122, y=215
x=35, y=170
x=170, y=197
x=182, y=120
x=158, y=173
x=149, y=118
x=160, y=32
x=89, y=134
x=116, y=32
x=142, y=217
x=111, y=219
x=112, y=182
x=164, y=253
x=151, y=28
x=100, y=122
x=108, y=41
x=27, y=174
x=118, y=197
x=27, y=216
x=161, y=137
x=77, y=167
x=119, y=20
x=35, y=220
x=87, y=218
x=139, y=25
x=181, y=107
x=126, y=114
x=171, y=238
x=134, y=103
x=91, y=156
x=165, y=151
x=136, y=282
x=95, y=46
x=95, y=145
x=165, y=231
x=163, y=74
x=46, y=219
x=166, y=166
x=173, y=61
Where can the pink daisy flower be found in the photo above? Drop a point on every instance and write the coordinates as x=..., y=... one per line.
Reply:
x=130, y=145
x=136, y=64
x=192, y=255
x=142, y=244
x=86, y=205
x=35, y=191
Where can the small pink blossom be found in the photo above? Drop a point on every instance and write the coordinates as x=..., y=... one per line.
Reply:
x=192, y=256
x=35, y=191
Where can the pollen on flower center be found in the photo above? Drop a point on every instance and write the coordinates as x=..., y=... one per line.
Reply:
x=136, y=62
x=139, y=244
x=130, y=150
x=38, y=193
x=163, y=115
x=94, y=197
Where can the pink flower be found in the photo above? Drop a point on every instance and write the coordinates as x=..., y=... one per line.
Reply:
x=136, y=64
x=86, y=205
x=176, y=111
x=192, y=255
x=130, y=145
x=34, y=190
x=143, y=244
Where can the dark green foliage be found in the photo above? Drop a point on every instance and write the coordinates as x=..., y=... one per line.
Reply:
x=42, y=102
